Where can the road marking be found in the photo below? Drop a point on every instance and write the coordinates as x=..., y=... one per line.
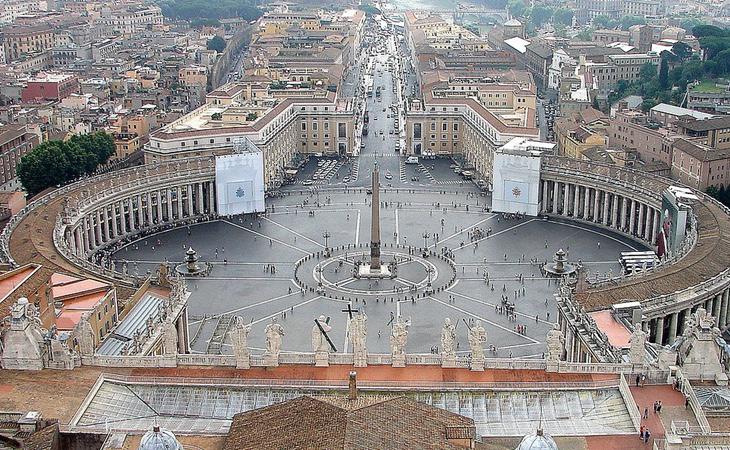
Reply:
x=276, y=314
x=460, y=232
x=357, y=229
x=267, y=237
x=263, y=302
x=397, y=230
x=493, y=305
x=294, y=232
x=469, y=313
x=493, y=235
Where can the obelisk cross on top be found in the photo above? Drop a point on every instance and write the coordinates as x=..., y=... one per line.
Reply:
x=375, y=224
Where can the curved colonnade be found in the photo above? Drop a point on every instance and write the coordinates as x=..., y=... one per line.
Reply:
x=66, y=228
x=629, y=202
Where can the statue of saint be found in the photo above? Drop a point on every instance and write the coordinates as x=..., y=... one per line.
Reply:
x=477, y=339
x=358, y=333
x=169, y=338
x=319, y=342
x=448, y=339
x=637, y=342
x=239, y=339
x=398, y=337
x=274, y=333
x=85, y=337
x=555, y=342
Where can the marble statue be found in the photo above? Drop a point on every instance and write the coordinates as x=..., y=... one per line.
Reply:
x=555, y=342
x=85, y=337
x=358, y=333
x=637, y=351
x=398, y=341
x=319, y=342
x=239, y=341
x=169, y=338
x=448, y=344
x=477, y=339
x=24, y=342
x=274, y=333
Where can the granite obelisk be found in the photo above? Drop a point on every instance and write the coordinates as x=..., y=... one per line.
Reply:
x=375, y=224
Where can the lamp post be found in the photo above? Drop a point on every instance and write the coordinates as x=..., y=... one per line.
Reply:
x=425, y=237
x=326, y=235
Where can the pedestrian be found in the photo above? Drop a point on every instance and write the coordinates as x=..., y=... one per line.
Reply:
x=646, y=412
x=659, y=407
x=647, y=436
x=641, y=432
x=686, y=402
x=655, y=406
x=638, y=378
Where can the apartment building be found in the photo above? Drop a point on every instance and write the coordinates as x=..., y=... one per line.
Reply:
x=700, y=166
x=281, y=128
x=15, y=141
x=620, y=67
x=633, y=130
x=713, y=132
x=128, y=20
x=23, y=40
x=464, y=127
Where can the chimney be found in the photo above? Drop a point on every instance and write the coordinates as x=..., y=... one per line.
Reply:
x=352, y=391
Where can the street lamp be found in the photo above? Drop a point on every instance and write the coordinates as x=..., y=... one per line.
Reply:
x=425, y=237
x=429, y=288
x=326, y=235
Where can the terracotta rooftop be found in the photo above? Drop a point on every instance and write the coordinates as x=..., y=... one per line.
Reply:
x=311, y=422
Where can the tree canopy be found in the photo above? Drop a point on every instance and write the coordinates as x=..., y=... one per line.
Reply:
x=202, y=9
x=216, y=43
x=57, y=162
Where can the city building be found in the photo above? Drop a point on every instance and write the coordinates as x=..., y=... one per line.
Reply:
x=50, y=86
x=633, y=130
x=713, y=132
x=15, y=141
x=23, y=40
x=700, y=166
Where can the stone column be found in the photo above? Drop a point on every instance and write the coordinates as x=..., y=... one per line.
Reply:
x=168, y=194
x=132, y=220
x=115, y=217
x=190, y=201
x=211, y=197
x=576, y=199
x=716, y=309
x=649, y=217
x=596, y=200
x=99, y=227
x=586, y=202
x=672, y=327
x=606, y=196
x=178, y=189
x=726, y=303
x=200, y=198
x=655, y=227
x=632, y=216
x=640, y=222
x=158, y=195
x=566, y=196
x=92, y=233
x=84, y=236
x=122, y=217
x=614, y=213
x=554, y=192
x=105, y=218
x=624, y=212
x=150, y=212
x=79, y=243
x=660, y=330
x=140, y=212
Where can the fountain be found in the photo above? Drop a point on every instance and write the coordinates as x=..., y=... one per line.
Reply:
x=190, y=266
x=560, y=266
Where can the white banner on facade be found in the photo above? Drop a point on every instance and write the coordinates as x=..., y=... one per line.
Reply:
x=239, y=181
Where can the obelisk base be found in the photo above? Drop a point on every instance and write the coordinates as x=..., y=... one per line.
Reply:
x=365, y=271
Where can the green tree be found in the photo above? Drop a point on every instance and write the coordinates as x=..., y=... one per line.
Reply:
x=681, y=51
x=603, y=22
x=203, y=9
x=57, y=162
x=664, y=73
x=516, y=8
x=540, y=15
x=563, y=16
x=647, y=72
x=216, y=43
x=585, y=35
x=707, y=30
x=648, y=104
x=629, y=21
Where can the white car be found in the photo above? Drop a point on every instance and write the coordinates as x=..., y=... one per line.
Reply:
x=307, y=182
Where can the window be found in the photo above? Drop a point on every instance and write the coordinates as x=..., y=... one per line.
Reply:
x=416, y=131
x=456, y=127
x=341, y=130
x=304, y=126
x=444, y=126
